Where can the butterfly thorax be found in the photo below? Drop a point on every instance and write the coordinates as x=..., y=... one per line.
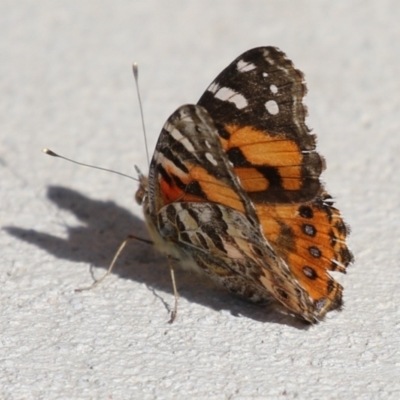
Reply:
x=159, y=237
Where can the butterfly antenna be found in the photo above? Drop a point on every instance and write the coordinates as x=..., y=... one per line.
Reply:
x=51, y=153
x=135, y=70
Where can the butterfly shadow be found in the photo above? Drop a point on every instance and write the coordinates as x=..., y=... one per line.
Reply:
x=104, y=226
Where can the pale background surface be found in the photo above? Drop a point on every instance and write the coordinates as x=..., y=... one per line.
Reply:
x=66, y=83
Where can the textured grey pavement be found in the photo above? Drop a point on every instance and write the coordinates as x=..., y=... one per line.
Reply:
x=66, y=83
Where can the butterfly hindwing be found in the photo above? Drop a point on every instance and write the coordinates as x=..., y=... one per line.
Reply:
x=234, y=253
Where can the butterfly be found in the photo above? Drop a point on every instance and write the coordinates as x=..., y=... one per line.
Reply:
x=234, y=190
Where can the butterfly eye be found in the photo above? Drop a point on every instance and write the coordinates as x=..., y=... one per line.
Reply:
x=139, y=195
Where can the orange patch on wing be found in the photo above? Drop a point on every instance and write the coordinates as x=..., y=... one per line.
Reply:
x=215, y=190
x=172, y=193
x=308, y=245
x=317, y=287
x=270, y=227
x=274, y=217
x=251, y=179
x=291, y=177
x=254, y=181
x=270, y=217
x=224, y=143
x=261, y=148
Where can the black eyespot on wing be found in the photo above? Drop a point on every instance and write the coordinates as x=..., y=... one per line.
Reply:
x=309, y=230
x=306, y=212
x=315, y=251
x=310, y=272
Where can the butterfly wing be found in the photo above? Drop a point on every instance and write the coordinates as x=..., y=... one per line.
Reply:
x=199, y=208
x=234, y=253
x=257, y=106
x=189, y=165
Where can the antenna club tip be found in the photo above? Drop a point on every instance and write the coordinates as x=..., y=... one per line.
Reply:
x=135, y=69
x=49, y=152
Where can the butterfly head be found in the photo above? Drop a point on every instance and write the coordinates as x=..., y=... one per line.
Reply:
x=141, y=192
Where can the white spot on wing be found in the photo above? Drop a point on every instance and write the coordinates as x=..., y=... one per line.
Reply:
x=272, y=107
x=184, y=140
x=213, y=88
x=273, y=89
x=170, y=166
x=268, y=57
x=211, y=158
x=227, y=94
x=168, y=127
x=244, y=66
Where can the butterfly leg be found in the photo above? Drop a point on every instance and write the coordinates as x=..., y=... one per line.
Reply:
x=176, y=294
x=114, y=260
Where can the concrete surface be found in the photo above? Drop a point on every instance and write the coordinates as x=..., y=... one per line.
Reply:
x=66, y=83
